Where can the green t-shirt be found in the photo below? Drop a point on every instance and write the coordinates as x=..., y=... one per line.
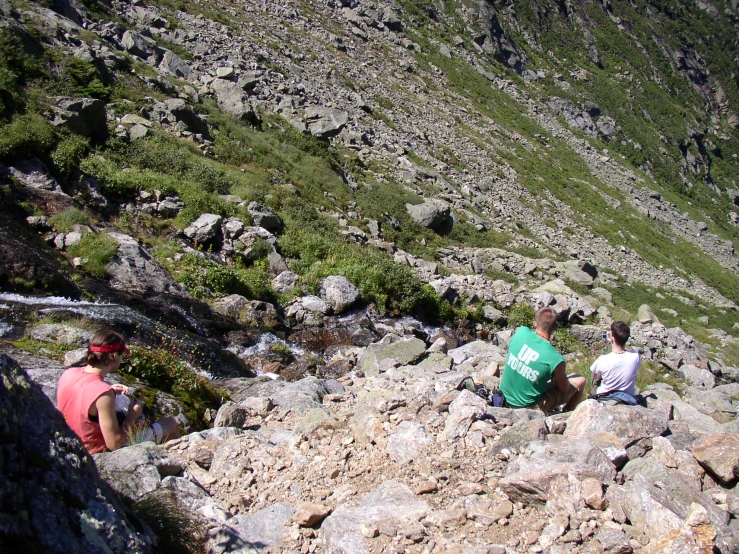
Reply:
x=529, y=367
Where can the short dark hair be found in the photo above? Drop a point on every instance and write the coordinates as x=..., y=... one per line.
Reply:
x=620, y=332
x=103, y=338
x=546, y=319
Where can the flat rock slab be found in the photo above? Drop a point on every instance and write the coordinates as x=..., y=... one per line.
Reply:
x=266, y=528
x=719, y=454
x=405, y=351
x=628, y=423
x=391, y=503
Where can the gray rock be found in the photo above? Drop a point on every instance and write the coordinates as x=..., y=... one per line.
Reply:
x=174, y=65
x=697, y=376
x=407, y=442
x=266, y=527
x=34, y=174
x=285, y=282
x=231, y=414
x=137, y=470
x=628, y=423
x=88, y=190
x=134, y=268
x=137, y=132
x=205, y=230
x=138, y=45
x=392, y=503
x=325, y=122
x=83, y=116
x=299, y=396
x=264, y=217
x=233, y=100
x=434, y=214
x=175, y=110
x=476, y=349
x=339, y=293
x=405, y=351
x=51, y=487
x=645, y=314
x=308, y=310
x=463, y=411
x=61, y=333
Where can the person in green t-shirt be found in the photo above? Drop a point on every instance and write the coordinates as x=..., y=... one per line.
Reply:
x=534, y=375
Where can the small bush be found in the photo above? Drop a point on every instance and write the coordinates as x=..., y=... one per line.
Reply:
x=27, y=136
x=521, y=315
x=63, y=222
x=167, y=372
x=97, y=250
x=68, y=154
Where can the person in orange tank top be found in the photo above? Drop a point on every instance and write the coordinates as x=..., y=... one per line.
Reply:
x=88, y=403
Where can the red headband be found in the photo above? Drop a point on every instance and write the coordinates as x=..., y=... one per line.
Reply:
x=115, y=347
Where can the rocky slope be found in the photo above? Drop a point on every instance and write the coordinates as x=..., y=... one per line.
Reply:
x=261, y=189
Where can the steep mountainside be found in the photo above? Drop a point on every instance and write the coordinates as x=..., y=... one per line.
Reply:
x=604, y=132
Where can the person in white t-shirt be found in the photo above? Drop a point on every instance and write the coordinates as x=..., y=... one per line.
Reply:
x=616, y=371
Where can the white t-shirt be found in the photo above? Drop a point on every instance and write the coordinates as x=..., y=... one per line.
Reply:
x=618, y=372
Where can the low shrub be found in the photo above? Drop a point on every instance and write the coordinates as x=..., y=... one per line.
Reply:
x=165, y=371
x=27, y=136
x=521, y=315
x=68, y=154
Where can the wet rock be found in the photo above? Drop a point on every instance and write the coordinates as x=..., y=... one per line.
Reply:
x=339, y=293
x=61, y=333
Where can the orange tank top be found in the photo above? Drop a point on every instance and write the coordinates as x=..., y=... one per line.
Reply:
x=76, y=392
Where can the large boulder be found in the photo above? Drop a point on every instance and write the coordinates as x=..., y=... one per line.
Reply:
x=51, y=496
x=133, y=268
x=205, y=230
x=719, y=454
x=264, y=217
x=403, y=351
x=434, y=214
x=325, y=122
x=629, y=423
x=339, y=293
x=392, y=503
x=61, y=333
x=83, y=116
x=233, y=100
x=175, y=110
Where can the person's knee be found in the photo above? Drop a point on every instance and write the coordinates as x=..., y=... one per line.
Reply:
x=170, y=427
x=578, y=381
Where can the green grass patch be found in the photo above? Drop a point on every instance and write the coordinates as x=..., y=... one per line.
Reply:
x=64, y=221
x=97, y=250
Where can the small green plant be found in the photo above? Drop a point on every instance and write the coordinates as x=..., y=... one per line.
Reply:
x=68, y=154
x=63, y=222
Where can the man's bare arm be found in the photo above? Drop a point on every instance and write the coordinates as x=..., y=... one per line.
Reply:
x=560, y=377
